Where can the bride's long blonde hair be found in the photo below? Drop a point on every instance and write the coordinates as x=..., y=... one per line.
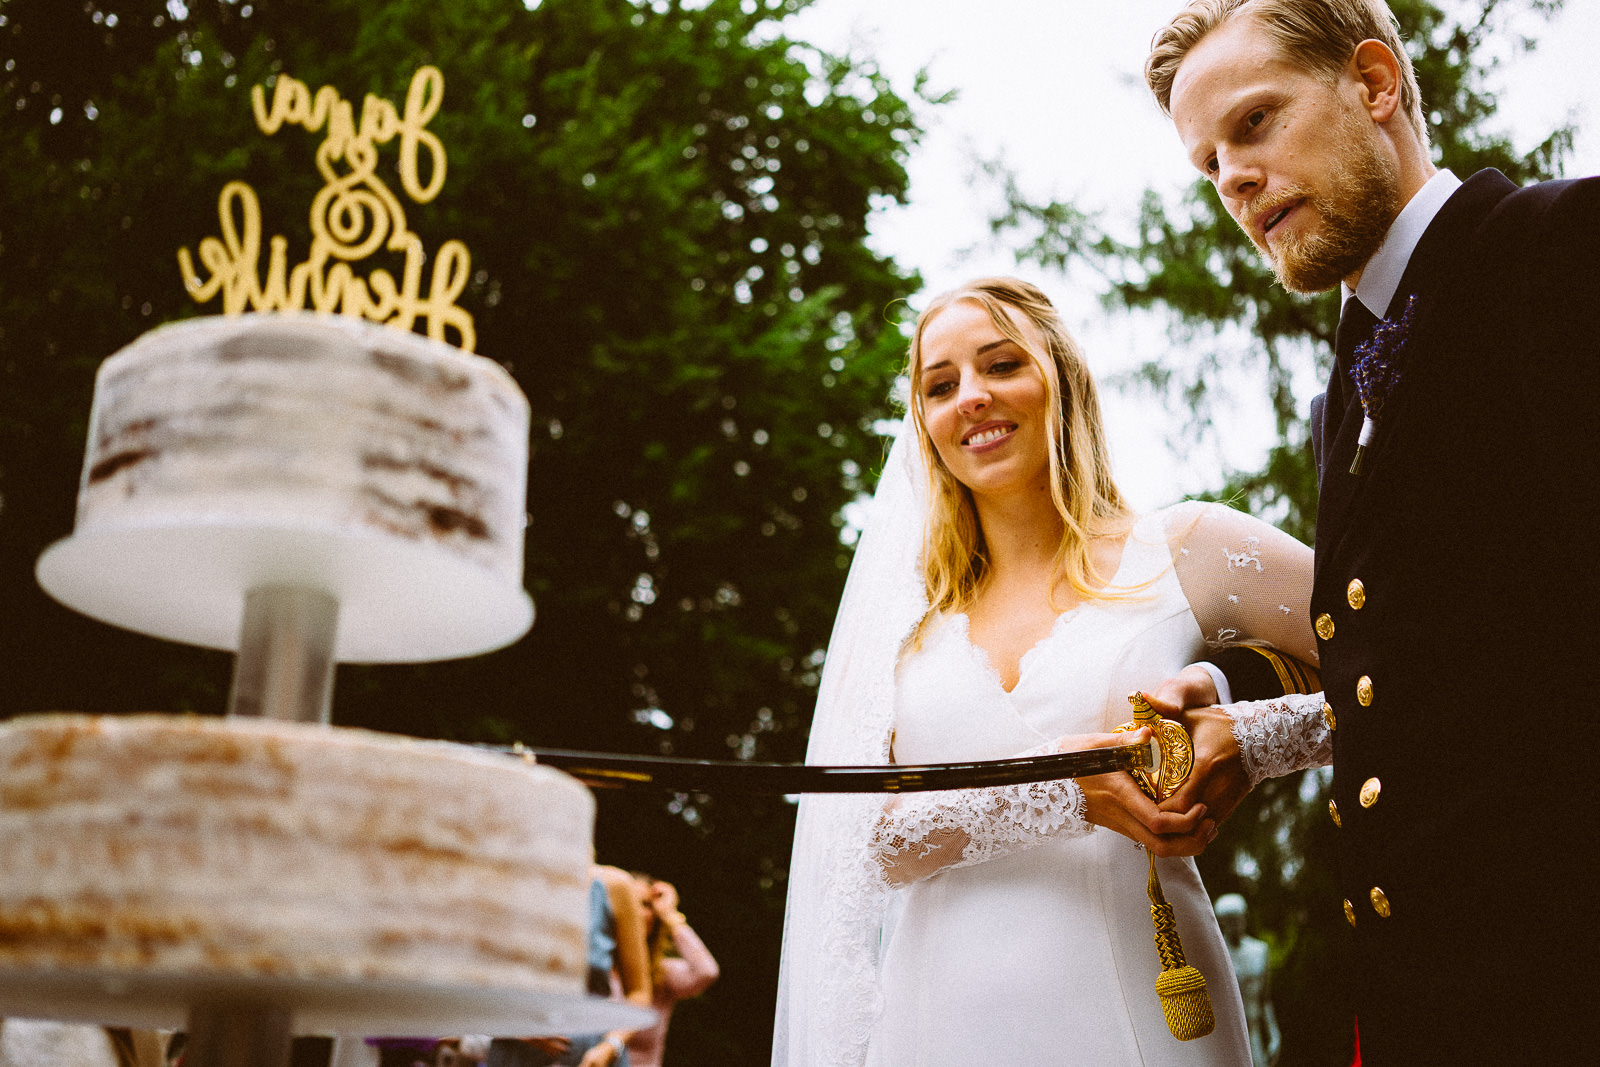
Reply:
x=954, y=555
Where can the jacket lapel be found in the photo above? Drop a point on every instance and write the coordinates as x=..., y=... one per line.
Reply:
x=1440, y=258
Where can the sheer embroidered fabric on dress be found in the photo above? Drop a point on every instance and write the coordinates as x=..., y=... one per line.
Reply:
x=1243, y=580
x=1279, y=736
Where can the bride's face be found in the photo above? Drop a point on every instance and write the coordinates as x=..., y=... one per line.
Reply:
x=984, y=400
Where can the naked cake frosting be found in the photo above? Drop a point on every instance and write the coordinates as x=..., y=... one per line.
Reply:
x=198, y=845
x=377, y=466
x=315, y=421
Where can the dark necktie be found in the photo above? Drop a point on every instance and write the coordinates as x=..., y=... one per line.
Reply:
x=1356, y=324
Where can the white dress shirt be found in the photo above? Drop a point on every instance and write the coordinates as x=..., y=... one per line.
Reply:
x=1381, y=276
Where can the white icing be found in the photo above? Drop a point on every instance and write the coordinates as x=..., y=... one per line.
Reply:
x=185, y=844
x=310, y=421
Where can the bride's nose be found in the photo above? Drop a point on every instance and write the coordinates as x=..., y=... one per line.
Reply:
x=973, y=397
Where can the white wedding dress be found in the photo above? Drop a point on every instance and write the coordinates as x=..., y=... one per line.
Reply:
x=1031, y=942
x=995, y=925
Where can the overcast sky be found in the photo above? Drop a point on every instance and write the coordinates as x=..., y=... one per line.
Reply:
x=1053, y=88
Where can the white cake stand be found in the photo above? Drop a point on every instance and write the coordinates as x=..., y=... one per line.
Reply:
x=398, y=602
x=248, y=1021
x=292, y=603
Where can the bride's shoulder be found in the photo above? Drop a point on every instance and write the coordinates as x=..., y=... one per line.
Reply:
x=1176, y=522
x=1200, y=524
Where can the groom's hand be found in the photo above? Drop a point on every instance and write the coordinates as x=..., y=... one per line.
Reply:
x=1115, y=802
x=1217, y=780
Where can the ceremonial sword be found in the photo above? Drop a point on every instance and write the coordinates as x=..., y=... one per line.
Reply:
x=735, y=776
x=1160, y=766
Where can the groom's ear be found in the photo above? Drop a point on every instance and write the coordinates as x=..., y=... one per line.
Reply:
x=1376, y=72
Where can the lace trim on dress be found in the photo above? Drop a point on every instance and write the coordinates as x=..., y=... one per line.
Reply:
x=1281, y=736
x=921, y=835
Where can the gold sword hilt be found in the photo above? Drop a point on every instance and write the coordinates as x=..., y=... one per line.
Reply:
x=1174, y=752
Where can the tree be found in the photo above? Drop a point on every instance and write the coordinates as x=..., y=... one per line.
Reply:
x=665, y=206
x=1192, y=265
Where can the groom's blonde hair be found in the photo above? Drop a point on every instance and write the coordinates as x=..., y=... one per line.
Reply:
x=955, y=558
x=1319, y=36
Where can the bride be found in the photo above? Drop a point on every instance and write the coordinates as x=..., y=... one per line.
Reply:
x=1004, y=601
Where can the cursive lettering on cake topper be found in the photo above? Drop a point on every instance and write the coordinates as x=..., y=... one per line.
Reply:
x=353, y=216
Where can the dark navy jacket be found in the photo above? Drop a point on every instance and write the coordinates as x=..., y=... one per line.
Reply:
x=1456, y=594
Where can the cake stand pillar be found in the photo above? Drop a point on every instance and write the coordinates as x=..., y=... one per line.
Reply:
x=227, y=1033
x=284, y=667
x=283, y=670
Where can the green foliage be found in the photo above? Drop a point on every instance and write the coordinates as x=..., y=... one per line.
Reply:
x=1192, y=265
x=665, y=206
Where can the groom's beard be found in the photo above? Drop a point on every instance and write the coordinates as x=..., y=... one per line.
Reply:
x=1360, y=201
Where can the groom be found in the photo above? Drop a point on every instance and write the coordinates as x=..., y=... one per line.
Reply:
x=1455, y=598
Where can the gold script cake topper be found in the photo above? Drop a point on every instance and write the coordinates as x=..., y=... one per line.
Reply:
x=353, y=216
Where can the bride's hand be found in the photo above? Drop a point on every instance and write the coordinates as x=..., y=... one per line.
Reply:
x=1115, y=802
x=1217, y=779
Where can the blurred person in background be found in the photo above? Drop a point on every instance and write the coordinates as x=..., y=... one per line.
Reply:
x=681, y=967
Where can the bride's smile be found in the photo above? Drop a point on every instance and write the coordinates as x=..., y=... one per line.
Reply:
x=986, y=435
x=984, y=400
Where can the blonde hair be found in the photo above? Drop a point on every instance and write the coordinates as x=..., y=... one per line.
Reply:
x=954, y=556
x=1319, y=36
x=658, y=938
x=661, y=944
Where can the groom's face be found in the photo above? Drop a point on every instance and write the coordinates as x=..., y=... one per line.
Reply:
x=1294, y=157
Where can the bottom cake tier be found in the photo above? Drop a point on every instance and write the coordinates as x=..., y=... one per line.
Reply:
x=191, y=845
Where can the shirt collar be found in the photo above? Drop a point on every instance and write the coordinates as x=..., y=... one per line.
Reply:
x=1381, y=276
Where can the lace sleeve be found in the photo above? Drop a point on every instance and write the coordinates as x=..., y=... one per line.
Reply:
x=1246, y=580
x=1281, y=736
x=922, y=834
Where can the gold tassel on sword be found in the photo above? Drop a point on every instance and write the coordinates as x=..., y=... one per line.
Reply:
x=1182, y=988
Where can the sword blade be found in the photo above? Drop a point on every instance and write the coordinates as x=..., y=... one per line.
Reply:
x=733, y=776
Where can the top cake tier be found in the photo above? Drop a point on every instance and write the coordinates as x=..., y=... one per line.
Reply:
x=321, y=451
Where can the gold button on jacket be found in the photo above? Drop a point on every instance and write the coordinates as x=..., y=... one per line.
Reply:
x=1350, y=913
x=1364, y=690
x=1380, y=903
x=1369, y=792
x=1324, y=626
x=1356, y=594
x=1333, y=810
x=1327, y=716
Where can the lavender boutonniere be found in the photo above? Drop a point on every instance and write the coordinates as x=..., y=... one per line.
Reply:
x=1377, y=371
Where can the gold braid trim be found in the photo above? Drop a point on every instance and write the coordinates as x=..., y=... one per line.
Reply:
x=1294, y=676
x=1182, y=988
